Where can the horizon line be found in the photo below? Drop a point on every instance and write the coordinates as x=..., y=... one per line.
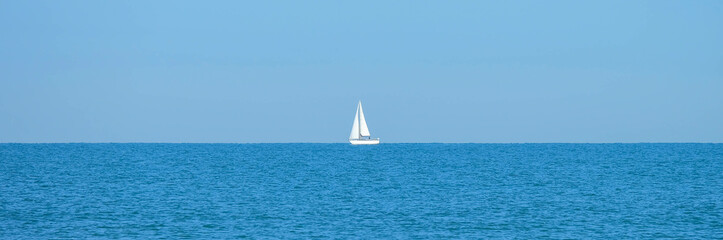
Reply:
x=350, y=144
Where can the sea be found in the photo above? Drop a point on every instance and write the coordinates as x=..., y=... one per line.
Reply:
x=339, y=191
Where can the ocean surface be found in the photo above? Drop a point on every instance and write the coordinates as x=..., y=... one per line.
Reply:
x=405, y=191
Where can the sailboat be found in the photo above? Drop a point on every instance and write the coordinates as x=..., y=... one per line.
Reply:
x=359, y=130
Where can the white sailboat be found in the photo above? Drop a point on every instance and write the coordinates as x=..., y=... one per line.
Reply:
x=359, y=130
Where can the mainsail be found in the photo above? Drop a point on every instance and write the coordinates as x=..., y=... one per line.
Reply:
x=363, y=129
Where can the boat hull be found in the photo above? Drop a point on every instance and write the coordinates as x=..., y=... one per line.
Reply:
x=364, y=141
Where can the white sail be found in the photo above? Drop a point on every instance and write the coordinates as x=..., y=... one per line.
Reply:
x=355, y=127
x=359, y=131
x=363, y=129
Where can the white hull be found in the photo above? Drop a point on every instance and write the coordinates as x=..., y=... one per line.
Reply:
x=364, y=141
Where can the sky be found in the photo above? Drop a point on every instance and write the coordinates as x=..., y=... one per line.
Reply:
x=425, y=71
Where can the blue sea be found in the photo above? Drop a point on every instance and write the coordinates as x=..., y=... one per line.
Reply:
x=321, y=191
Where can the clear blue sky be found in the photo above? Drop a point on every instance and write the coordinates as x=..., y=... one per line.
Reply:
x=426, y=71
